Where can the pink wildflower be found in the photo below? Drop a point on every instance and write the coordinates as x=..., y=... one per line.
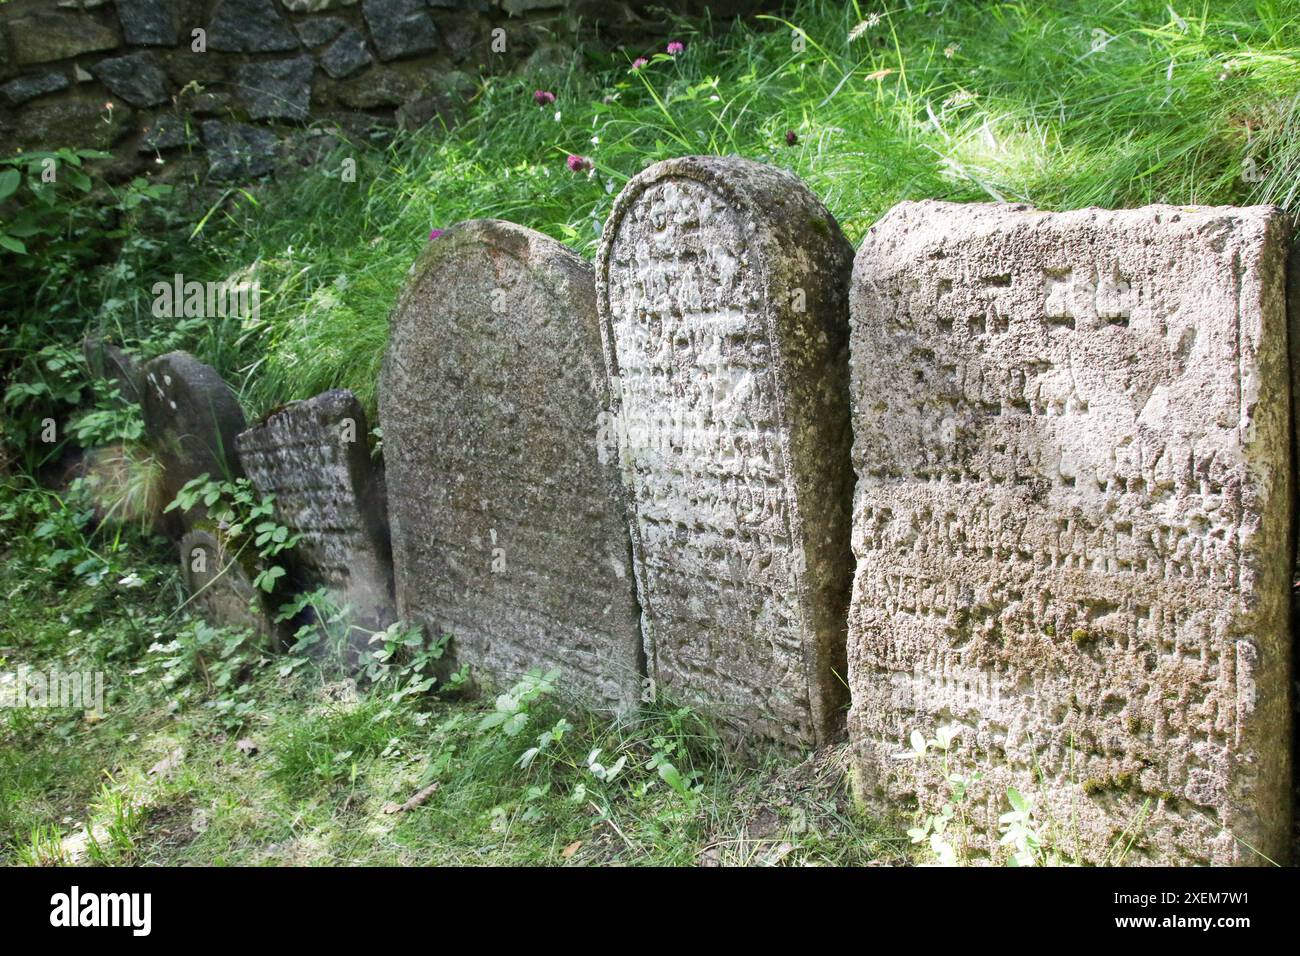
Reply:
x=639, y=62
x=434, y=233
x=543, y=97
x=578, y=164
x=791, y=137
x=675, y=47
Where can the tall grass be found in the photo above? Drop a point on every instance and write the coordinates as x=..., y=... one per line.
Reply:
x=1059, y=104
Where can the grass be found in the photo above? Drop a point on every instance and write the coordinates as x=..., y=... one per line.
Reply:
x=1055, y=104
x=265, y=759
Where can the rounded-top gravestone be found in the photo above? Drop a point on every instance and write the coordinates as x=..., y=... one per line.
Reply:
x=191, y=419
x=723, y=288
x=508, y=526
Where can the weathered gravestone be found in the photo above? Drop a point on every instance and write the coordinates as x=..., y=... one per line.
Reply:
x=191, y=420
x=723, y=291
x=508, y=526
x=122, y=372
x=220, y=586
x=313, y=457
x=1072, y=521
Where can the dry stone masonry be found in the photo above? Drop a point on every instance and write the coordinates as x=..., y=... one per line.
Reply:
x=1072, y=520
x=314, y=458
x=250, y=73
x=722, y=287
x=507, y=520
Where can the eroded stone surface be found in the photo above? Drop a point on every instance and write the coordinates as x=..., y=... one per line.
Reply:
x=220, y=588
x=346, y=55
x=237, y=150
x=249, y=26
x=508, y=525
x=400, y=28
x=136, y=77
x=1072, y=520
x=314, y=458
x=191, y=420
x=147, y=22
x=27, y=88
x=723, y=293
x=276, y=89
x=45, y=35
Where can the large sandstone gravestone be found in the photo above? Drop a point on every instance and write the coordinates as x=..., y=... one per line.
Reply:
x=191, y=420
x=723, y=289
x=1072, y=521
x=508, y=527
x=220, y=586
x=313, y=457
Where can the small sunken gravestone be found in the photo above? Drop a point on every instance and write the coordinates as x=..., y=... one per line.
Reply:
x=508, y=526
x=314, y=458
x=191, y=420
x=220, y=587
x=1072, y=521
x=723, y=289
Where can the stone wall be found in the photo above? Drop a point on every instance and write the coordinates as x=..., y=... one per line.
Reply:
x=1072, y=532
x=159, y=79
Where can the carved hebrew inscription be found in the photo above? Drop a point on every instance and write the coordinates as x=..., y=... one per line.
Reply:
x=1072, y=519
x=711, y=342
x=509, y=530
x=313, y=457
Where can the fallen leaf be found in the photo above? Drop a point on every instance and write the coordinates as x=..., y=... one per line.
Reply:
x=164, y=767
x=571, y=849
x=246, y=746
x=778, y=854
x=418, y=800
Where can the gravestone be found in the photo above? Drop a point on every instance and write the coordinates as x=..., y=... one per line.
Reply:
x=1072, y=522
x=191, y=420
x=220, y=586
x=313, y=457
x=723, y=290
x=508, y=526
x=123, y=373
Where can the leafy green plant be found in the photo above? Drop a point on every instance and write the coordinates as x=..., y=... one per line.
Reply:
x=217, y=660
x=40, y=204
x=511, y=711
x=245, y=519
x=945, y=832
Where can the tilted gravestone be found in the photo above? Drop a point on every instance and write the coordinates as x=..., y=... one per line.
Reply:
x=191, y=420
x=108, y=362
x=313, y=457
x=1072, y=522
x=723, y=289
x=508, y=526
x=220, y=585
